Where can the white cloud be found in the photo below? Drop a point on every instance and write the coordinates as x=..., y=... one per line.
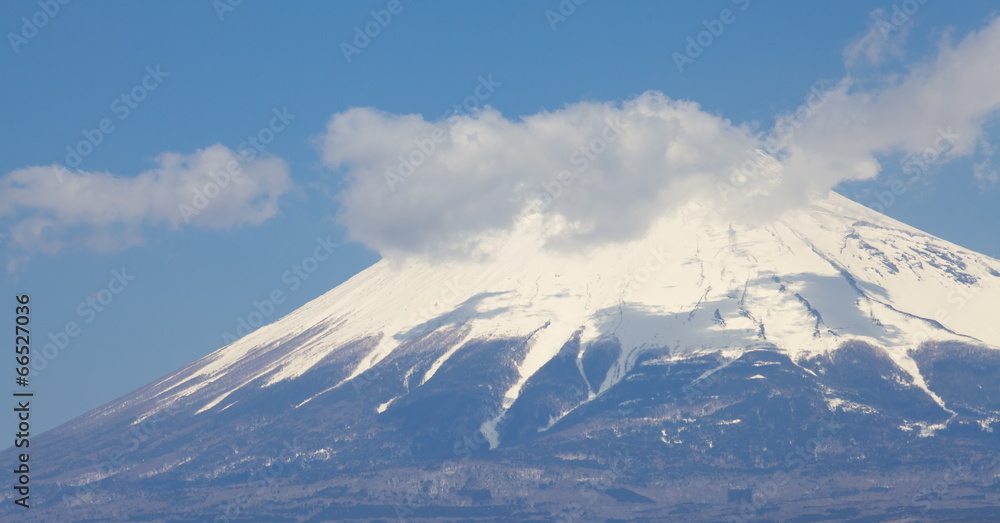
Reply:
x=419, y=186
x=48, y=208
x=934, y=113
x=622, y=164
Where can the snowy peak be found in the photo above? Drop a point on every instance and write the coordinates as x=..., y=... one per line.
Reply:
x=804, y=284
x=705, y=342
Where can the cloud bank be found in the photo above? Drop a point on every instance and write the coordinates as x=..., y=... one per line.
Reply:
x=48, y=208
x=605, y=171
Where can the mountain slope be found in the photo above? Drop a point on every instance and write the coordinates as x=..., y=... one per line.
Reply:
x=802, y=284
x=706, y=345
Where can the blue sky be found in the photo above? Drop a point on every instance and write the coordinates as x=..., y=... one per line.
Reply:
x=166, y=92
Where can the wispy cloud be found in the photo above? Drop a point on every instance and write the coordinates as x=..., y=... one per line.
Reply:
x=883, y=40
x=49, y=208
x=949, y=96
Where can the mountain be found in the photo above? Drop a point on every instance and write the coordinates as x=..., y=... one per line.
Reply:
x=829, y=365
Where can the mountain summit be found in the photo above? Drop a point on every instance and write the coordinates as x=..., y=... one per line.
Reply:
x=828, y=360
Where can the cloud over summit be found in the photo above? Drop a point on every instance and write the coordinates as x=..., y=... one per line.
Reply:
x=605, y=171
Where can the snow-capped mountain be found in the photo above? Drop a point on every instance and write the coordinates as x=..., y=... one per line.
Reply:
x=676, y=371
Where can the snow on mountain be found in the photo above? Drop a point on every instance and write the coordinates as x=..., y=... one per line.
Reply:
x=696, y=283
x=824, y=350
